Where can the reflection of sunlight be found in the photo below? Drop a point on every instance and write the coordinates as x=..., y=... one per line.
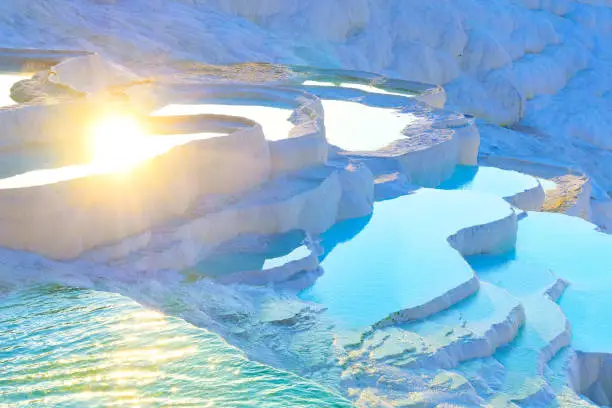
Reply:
x=118, y=143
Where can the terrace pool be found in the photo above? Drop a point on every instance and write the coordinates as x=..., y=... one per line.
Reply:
x=502, y=183
x=564, y=247
x=274, y=120
x=401, y=259
x=551, y=247
x=369, y=128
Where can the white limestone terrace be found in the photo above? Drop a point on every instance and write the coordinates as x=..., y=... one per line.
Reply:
x=474, y=328
x=392, y=118
x=86, y=85
x=550, y=265
x=432, y=95
x=413, y=135
x=311, y=200
x=292, y=120
x=126, y=226
x=51, y=211
x=245, y=166
x=546, y=330
x=400, y=267
x=533, y=69
x=287, y=260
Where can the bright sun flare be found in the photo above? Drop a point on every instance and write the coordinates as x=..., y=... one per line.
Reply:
x=118, y=143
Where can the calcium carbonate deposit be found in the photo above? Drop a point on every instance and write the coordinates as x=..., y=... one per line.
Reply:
x=325, y=203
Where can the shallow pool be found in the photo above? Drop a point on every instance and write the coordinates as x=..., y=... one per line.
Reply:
x=369, y=128
x=551, y=247
x=354, y=85
x=65, y=347
x=274, y=120
x=573, y=250
x=502, y=183
x=400, y=258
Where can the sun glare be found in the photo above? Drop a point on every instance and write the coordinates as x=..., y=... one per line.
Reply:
x=118, y=143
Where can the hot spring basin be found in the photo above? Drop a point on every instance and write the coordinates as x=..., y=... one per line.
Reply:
x=401, y=258
x=575, y=251
x=353, y=126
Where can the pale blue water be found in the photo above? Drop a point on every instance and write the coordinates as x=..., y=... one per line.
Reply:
x=64, y=347
x=551, y=246
x=502, y=183
x=401, y=257
x=266, y=253
x=575, y=251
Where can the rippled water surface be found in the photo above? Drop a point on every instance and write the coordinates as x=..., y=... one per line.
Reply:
x=63, y=347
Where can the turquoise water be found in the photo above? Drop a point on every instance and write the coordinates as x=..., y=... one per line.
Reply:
x=64, y=347
x=401, y=258
x=269, y=252
x=502, y=183
x=412, y=344
x=552, y=246
x=574, y=250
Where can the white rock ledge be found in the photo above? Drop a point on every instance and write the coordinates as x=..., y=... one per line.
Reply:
x=467, y=134
x=304, y=146
x=282, y=205
x=427, y=158
x=32, y=60
x=528, y=200
x=572, y=195
x=63, y=219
